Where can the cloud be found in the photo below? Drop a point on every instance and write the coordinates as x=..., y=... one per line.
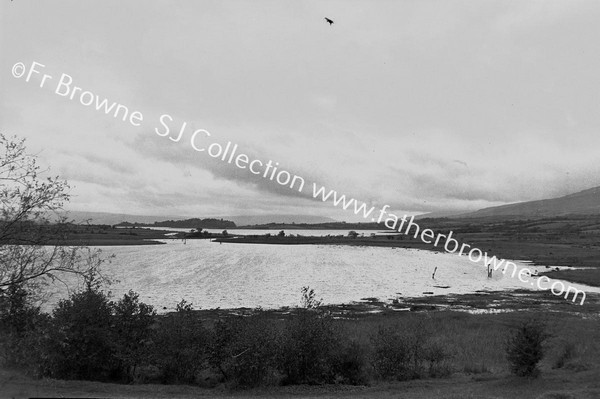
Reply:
x=423, y=106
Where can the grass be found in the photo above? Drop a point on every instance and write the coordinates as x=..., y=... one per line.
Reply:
x=557, y=385
x=586, y=276
x=477, y=341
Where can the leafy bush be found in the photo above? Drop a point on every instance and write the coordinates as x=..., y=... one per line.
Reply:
x=310, y=343
x=80, y=342
x=568, y=351
x=132, y=333
x=245, y=350
x=351, y=364
x=436, y=356
x=304, y=349
x=392, y=354
x=16, y=313
x=90, y=337
x=21, y=325
x=309, y=299
x=404, y=354
x=475, y=368
x=180, y=345
x=525, y=349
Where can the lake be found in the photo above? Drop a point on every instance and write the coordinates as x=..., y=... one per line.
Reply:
x=212, y=275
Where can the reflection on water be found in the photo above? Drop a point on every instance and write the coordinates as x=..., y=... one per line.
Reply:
x=211, y=275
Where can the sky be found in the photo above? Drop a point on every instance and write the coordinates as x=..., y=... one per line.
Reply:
x=421, y=105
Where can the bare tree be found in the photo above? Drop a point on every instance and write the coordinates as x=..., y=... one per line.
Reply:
x=31, y=230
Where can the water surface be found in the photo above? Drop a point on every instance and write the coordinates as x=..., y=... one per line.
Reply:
x=212, y=275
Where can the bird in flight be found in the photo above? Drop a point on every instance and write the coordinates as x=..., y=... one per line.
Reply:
x=329, y=20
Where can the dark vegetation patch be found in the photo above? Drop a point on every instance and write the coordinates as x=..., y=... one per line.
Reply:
x=585, y=276
x=91, y=337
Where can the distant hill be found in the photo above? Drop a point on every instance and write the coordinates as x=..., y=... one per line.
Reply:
x=286, y=219
x=194, y=223
x=585, y=202
x=440, y=214
x=81, y=217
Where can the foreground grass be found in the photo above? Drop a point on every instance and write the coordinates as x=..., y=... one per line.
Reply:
x=553, y=385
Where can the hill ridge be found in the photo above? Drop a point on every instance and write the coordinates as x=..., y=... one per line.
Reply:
x=580, y=203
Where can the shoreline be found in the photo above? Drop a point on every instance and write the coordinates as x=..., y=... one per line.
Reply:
x=480, y=302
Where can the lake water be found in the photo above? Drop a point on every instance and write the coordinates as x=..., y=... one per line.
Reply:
x=212, y=275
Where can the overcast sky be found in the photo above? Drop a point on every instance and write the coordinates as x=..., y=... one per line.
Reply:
x=422, y=105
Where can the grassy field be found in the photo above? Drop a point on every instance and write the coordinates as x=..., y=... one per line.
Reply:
x=554, y=385
x=102, y=235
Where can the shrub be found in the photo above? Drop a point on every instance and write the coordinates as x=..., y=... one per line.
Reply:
x=525, y=349
x=132, y=329
x=16, y=313
x=567, y=352
x=408, y=354
x=351, y=364
x=245, y=350
x=476, y=368
x=309, y=299
x=21, y=327
x=392, y=354
x=436, y=356
x=80, y=342
x=180, y=345
x=309, y=344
